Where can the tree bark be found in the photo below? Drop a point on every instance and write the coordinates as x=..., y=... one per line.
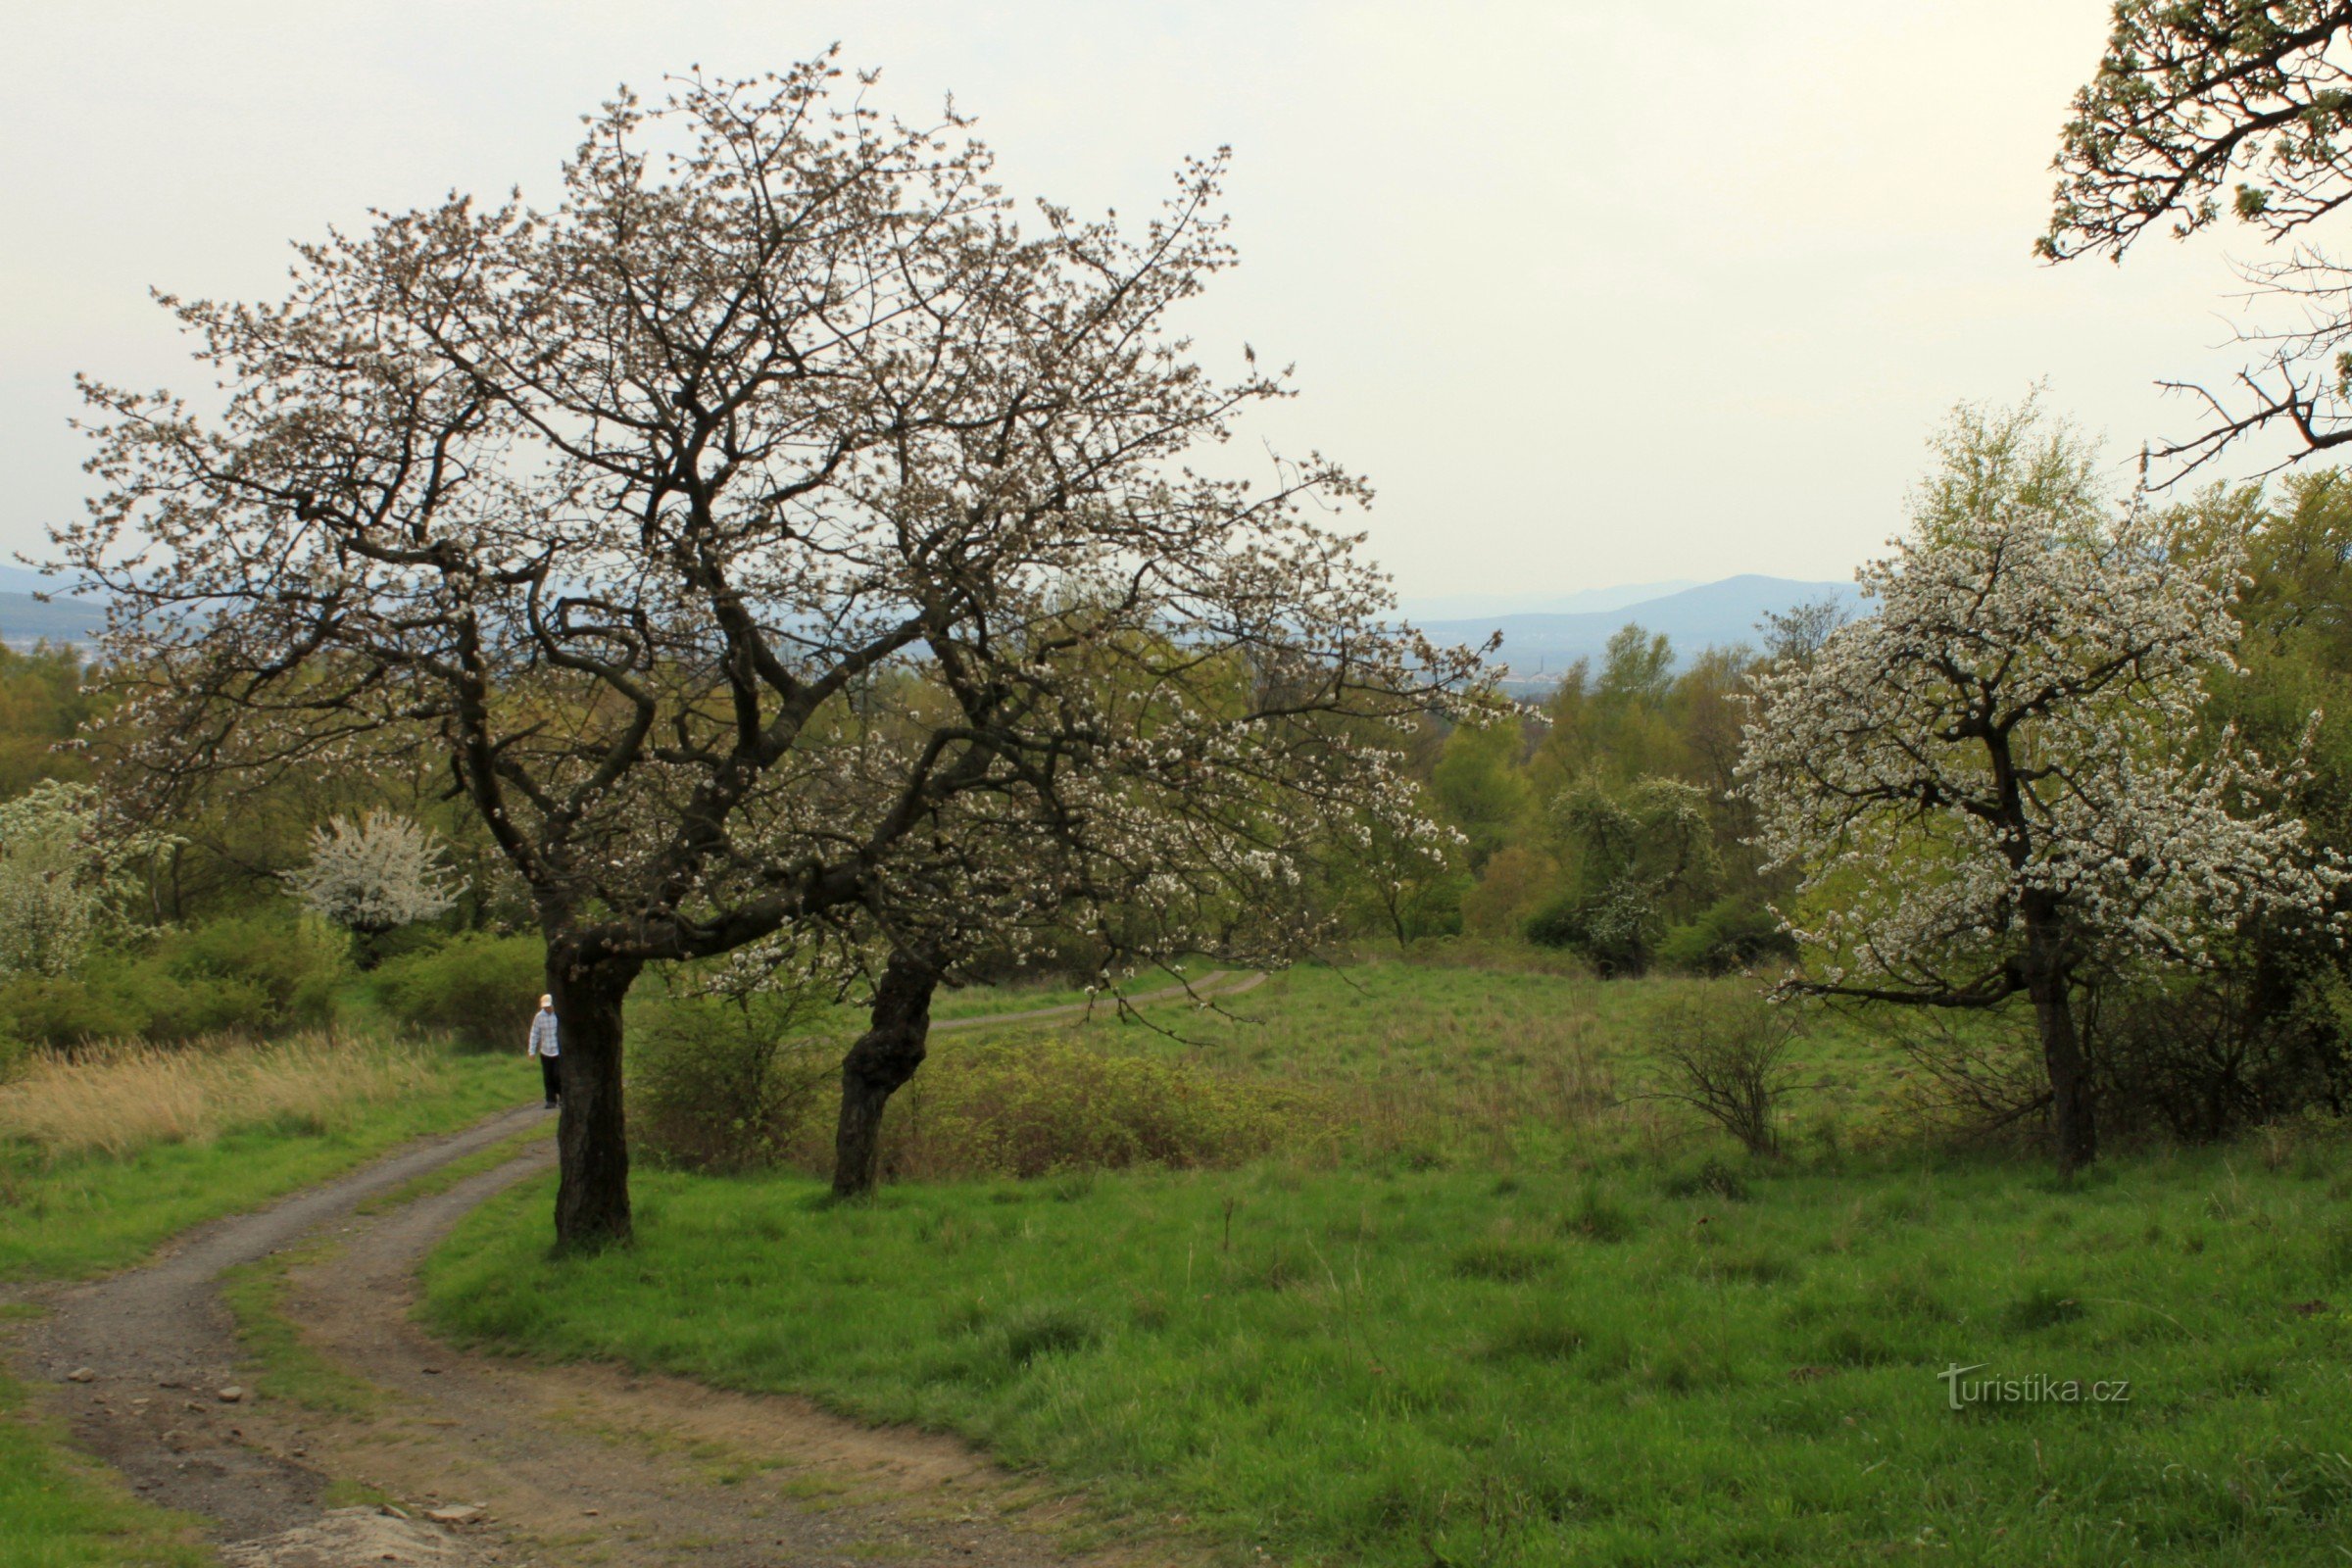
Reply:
x=592, y=1201
x=883, y=1058
x=2074, y=1122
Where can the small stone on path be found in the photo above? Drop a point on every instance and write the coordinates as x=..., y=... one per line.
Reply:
x=464, y=1514
x=81, y=1374
x=230, y=1395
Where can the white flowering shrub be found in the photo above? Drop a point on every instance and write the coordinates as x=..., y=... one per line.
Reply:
x=1994, y=784
x=64, y=881
x=375, y=874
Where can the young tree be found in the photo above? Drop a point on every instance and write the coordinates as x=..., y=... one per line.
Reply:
x=2189, y=96
x=1992, y=785
x=647, y=511
x=375, y=875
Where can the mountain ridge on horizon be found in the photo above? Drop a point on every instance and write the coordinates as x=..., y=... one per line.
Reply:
x=1538, y=643
x=1538, y=647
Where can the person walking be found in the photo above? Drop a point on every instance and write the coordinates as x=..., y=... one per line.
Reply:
x=549, y=1050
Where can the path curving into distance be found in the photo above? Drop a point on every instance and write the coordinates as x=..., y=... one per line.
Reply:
x=537, y=1466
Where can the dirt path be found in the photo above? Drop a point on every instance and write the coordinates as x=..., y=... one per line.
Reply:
x=546, y=1465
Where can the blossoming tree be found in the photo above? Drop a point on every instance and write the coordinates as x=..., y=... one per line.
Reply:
x=740, y=531
x=1993, y=785
x=375, y=875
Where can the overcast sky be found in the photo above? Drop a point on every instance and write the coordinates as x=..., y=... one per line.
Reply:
x=1595, y=292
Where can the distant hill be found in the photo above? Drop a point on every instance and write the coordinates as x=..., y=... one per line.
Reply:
x=26, y=621
x=1537, y=645
x=1715, y=614
x=1477, y=607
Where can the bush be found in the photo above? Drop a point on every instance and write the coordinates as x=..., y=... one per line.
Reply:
x=1616, y=928
x=718, y=1083
x=61, y=1011
x=1728, y=1058
x=1731, y=935
x=478, y=988
x=1049, y=1104
x=2203, y=1060
x=258, y=975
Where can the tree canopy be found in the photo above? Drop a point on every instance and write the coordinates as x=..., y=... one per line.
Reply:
x=773, y=534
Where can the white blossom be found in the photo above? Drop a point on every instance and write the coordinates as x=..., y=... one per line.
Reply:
x=375, y=874
x=64, y=880
x=2013, y=737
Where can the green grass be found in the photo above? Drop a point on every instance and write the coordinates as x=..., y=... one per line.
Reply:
x=1582, y=1339
x=1419, y=1367
x=57, y=1511
x=87, y=1215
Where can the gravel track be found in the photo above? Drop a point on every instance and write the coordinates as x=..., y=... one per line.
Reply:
x=531, y=1463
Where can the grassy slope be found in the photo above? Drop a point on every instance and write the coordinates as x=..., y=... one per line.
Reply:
x=1540, y=1357
x=88, y=1216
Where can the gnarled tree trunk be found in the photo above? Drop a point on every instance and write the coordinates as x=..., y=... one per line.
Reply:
x=2074, y=1118
x=591, y=1201
x=885, y=1056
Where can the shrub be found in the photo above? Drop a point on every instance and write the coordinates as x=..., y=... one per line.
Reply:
x=60, y=1011
x=1730, y=935
x=1728, y=1058
x=259, y=974
x=1049, y=1105
x=481, y=989
x=2203, y=1060
x=256, y=975
x=719, y=1083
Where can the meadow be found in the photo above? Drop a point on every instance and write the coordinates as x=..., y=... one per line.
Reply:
x=1494, y=1305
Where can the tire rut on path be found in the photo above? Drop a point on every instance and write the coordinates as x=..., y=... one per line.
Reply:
x=546, y=1465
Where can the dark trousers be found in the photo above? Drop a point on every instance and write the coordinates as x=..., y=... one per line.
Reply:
x=551, y=1073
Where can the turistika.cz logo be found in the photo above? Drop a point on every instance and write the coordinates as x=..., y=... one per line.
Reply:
x=2033, y=1388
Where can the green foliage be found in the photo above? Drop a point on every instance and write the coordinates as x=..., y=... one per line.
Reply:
x=262, y=973
x=42, y=705
x=730, y=1083
x=476, y=987
x=1479, y=784
x=59, y=1012
x=1734, y=933
x=259, y=975
x=1641, y=854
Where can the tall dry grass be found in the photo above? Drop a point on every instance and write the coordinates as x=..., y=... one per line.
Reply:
x=116, y=1100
